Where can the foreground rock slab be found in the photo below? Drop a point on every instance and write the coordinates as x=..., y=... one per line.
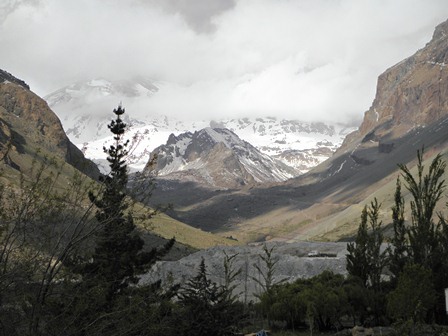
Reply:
x=292, y=262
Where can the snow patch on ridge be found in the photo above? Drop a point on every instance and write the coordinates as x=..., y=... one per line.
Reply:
x=220, y=156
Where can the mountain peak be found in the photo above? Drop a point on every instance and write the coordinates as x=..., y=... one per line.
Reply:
x=96, y=89
x=84, y=112
x=221, y=135
x=441, y=31
x=7, y=77
x=410, y=94
x=216, y=157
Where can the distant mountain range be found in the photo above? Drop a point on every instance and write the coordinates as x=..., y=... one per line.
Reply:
x=85, y=108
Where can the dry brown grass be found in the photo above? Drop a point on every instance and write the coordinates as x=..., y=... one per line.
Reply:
x=160, y=224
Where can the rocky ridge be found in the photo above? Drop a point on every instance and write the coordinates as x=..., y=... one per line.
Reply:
x=411, y=94
x=27, y=121
x=215, y=157
x=298, y=144
x=6, y=77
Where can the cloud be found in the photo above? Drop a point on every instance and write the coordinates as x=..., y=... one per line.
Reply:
x=197, y=14
x=303, y=59
x=9, y=6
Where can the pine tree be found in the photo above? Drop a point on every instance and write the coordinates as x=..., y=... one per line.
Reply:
x=398, y=252
x=266, y=270
x=357, y=262
x=423, y=242
x=426, y=192
x=208, y=308
x=365, y=258
x=265, y=279
x=118, y=256
x=377, y=257
x=426, y=243
x=103, y=297
x=230, y=275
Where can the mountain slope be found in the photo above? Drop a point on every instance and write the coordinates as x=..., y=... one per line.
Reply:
x=410, y=111
x=217, y=158
x=30, y=131
x=29, y=126
x=84, y=107
x=298, y=144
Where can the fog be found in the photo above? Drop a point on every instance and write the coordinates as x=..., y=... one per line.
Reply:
x=310, y=60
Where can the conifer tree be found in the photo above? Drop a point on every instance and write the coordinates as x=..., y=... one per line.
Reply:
x=357, y=262
x=118, y=256
x=426, y=243
x=266, y=270
x=426, y=191
x=103, y=297
x=230, y=275
x=365, y=258
x=398, y=252
x=265, y=278
x=208, y=308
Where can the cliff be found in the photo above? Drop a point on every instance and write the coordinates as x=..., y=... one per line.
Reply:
x=27, y=124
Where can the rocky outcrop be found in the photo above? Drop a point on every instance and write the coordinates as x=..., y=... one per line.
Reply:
x=292, y=262
x=6, y=145
x=7, y=77
x=26, y=119
x=303, y=159
x=414, y=91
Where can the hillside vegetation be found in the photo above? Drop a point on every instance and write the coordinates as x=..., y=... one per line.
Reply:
x=32, y=136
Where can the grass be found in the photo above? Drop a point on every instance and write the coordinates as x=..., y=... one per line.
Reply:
x=161, y=224
x=168, y=227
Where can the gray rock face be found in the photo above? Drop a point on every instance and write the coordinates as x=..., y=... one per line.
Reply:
x=293, y=263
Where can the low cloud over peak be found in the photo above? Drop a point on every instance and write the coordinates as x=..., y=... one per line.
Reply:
x=305, y=59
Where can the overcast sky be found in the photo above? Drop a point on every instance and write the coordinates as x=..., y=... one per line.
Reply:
x=303, y=59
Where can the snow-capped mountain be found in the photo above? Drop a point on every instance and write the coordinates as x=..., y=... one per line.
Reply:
x=216, y=157
x=85, y=110
x=298, y=144
x=85, y=107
